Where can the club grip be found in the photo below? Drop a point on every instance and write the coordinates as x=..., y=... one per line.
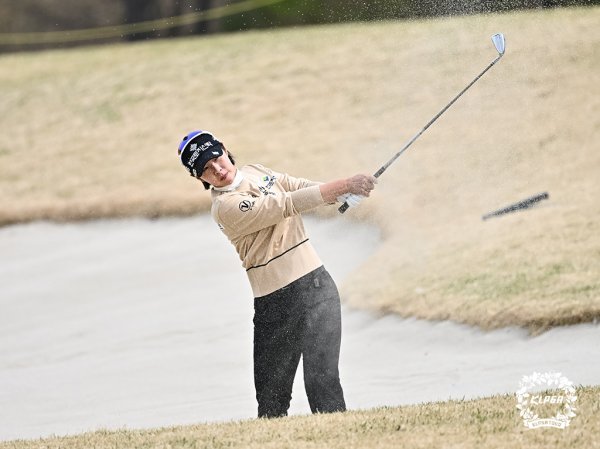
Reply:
x=343, y=208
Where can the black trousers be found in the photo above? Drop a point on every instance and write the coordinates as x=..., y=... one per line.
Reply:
x=302, y=318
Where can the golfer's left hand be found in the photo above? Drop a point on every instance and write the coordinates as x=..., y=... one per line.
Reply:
x=361, y=184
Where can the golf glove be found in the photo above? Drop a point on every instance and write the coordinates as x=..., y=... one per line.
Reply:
x=352, y=199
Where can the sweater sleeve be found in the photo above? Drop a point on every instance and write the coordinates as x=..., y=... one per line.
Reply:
x=243, y=214
x=290, y=183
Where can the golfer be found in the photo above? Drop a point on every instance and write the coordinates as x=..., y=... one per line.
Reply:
x=296, y=302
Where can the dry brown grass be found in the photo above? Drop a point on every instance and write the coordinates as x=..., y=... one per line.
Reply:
x=490, y=422
x=92, y=133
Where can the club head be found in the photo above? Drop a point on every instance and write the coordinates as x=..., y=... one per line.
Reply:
x=498, y=40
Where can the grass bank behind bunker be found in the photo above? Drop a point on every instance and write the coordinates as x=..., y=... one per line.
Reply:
x=91, y=132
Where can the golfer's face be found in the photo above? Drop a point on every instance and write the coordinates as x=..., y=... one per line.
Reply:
x=219, y=172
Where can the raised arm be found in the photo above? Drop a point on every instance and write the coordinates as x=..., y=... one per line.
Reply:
x=358, y=185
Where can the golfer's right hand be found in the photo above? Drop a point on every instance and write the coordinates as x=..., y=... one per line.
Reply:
x=361, y=185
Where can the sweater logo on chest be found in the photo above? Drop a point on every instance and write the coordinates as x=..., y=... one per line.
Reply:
x=246, y=205
x=269, y=183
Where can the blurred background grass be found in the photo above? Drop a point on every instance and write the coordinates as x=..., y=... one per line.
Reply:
x=91, y=132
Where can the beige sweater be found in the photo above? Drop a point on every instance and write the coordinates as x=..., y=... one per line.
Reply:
x=261, y=218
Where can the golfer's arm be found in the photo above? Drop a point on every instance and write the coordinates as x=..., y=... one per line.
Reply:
x=332, y=189
x=291, y=183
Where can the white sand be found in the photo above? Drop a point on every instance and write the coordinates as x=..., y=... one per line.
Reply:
x=134, y=324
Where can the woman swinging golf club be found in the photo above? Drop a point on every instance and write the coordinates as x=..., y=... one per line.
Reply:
x=296, y=302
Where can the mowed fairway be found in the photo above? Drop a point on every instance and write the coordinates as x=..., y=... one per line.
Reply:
x=92, y=132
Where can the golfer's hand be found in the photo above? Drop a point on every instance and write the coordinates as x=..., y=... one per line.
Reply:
x=361, y=185
x=358, y=185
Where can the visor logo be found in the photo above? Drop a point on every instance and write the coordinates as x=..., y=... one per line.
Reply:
x=197, y=150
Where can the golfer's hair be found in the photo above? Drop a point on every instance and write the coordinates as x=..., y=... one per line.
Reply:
x=206, y=184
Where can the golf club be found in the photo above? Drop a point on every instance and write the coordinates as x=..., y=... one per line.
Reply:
x=524, y=204
x=498, y=40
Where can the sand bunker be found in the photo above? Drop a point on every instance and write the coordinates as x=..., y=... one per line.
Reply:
x=139, y=323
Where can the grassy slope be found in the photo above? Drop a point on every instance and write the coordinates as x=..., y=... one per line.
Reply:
x=92, y=132
x=490, y=422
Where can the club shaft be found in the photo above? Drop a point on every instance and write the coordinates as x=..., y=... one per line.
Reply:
x=384, y=167
x=526, y=203
x=416, y=136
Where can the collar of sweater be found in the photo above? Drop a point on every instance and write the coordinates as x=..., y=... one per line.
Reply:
x=239, y=177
